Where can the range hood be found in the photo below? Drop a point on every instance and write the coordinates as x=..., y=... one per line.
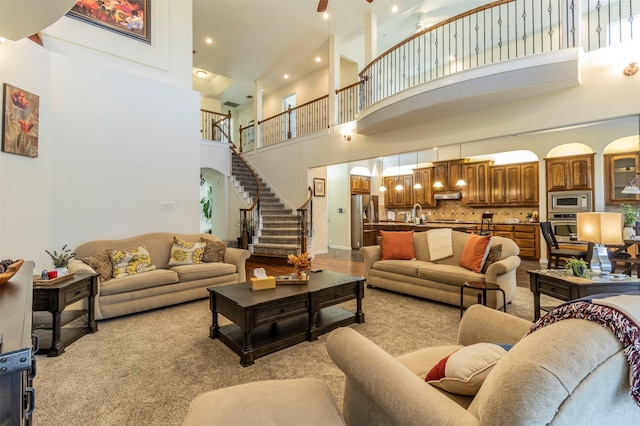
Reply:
x=451, y=195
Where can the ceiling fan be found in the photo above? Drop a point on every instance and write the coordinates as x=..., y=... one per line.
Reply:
x=322, y=5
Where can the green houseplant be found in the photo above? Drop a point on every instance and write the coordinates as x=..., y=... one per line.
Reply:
x=207, y=207
x=577, y=267
x=61, y=260
x=629, y=216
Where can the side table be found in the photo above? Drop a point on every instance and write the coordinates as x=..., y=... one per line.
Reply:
x=50, y=328
x=482, y=297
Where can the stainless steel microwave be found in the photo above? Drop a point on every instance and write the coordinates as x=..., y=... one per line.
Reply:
x=570, y=201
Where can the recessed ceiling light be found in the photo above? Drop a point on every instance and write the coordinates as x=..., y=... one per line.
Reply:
x=201, y=74
x=286, y=76
x=209, y=40
x=394, y=9
x=325, y=16
x=318, y=59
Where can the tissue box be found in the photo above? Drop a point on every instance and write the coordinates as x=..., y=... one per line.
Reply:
x=262, y=283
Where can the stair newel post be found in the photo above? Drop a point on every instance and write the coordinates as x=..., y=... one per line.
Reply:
x=303, y=212
x=289, y=121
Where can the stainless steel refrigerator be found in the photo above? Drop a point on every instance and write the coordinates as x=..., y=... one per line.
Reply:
x=364, y=209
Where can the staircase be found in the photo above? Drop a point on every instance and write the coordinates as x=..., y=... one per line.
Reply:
x=278, y=232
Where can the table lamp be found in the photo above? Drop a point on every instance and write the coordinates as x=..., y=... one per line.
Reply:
x=601, y=229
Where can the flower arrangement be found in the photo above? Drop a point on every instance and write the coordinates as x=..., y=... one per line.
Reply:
x=61, y=260
x=577, y=267
x=300, y=263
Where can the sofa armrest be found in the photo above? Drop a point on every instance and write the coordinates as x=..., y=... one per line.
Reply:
x=482, y=324
x=380, y=389
x=501, y=267
x=238, y=257
x=80, y=267
x=370, y=254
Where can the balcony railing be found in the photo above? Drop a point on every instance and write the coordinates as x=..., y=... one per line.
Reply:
x=295, y=122
x=215, y=126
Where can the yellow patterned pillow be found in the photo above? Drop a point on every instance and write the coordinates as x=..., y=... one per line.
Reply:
x=186, y=252
x=131, y=262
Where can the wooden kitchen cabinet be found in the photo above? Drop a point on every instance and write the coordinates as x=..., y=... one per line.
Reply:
x=476, y=193
x=527, y=237
x=398, y=199
x=448, y=172
x=570, y=173
x=620, y=168
x=514, y=184
x=360, y=184
x=505, y=231
x=424, y=195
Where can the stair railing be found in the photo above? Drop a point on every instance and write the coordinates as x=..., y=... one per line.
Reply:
x=305, y=212
x=250, y=216
x=215, y=126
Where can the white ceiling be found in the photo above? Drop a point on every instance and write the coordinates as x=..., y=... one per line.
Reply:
x=264, y=39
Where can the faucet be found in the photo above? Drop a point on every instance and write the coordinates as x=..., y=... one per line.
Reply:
x=414, y=210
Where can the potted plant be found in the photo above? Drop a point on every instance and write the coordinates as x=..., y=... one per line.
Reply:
x=629, y=216
x=61, y=260
x=248, y=228
x=207, y=207
x=576, y=267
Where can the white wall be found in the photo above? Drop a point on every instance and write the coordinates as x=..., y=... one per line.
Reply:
x=118, y=137
x=306, y=89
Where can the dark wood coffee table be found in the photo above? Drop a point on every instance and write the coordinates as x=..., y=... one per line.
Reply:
x=265, y=321
x=555, y=283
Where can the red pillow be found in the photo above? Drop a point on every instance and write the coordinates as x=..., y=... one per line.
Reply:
x=475, y=252
x=397, y=245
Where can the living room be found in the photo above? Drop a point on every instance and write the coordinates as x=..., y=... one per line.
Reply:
x=119, y=142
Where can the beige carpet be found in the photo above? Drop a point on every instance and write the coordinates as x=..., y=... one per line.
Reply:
x=145, y=369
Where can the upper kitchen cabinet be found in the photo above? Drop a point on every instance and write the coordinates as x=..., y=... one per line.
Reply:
x=570, y=173
x=620, y=168
x=514, y=184
x=360, y=184
x=398, y=198
x=476, y=193
x=448, y=172
x=424, y=195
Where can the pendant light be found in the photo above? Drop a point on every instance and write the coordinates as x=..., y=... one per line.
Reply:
x=633, y=187
x=460, y=181
x=417, y=185
x=382, y=187
x=437, y=184
x=399, y=187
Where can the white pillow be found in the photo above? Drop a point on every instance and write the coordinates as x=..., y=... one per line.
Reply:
x=440, y=243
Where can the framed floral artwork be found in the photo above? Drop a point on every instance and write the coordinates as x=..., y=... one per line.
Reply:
x=20, y=121
x=126, y=17
x=318, y=187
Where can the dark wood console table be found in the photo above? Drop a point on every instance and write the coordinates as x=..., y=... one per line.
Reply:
x=555, y=283
x=54, y=298
x=265, y=321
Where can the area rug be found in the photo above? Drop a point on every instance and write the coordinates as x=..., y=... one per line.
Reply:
x=145, y=369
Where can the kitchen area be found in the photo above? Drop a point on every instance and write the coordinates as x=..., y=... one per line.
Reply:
x=458, y=193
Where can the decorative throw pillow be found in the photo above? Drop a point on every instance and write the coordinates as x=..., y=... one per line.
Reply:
x=213, y=251
x=464, y=371
x=185, y=252
x=397, y=245
x=130, y=262
x=101, y=263
x=440, y=242
x=475, y=252
x=495, y=253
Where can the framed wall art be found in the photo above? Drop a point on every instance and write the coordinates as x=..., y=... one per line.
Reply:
x=20, y=121
x=126, y=17
x=318, y=187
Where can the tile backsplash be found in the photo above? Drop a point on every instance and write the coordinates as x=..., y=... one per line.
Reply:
x=454, y=209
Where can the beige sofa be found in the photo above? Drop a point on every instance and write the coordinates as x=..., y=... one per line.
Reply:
x=441, y=280
x=571, y=372
x=163, y=286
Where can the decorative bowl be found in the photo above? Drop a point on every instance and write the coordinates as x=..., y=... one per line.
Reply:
x=11, y=271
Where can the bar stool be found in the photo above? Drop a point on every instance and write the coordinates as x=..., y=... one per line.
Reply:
x=482, y=297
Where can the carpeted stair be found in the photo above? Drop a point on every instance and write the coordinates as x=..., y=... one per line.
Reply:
x=277, y=234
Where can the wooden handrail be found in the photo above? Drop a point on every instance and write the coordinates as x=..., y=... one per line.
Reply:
x=288, y=111
x=303, y=209
x=351, y=86
x=432, y=28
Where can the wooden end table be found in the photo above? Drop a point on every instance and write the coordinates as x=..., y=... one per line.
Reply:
x=483, y=287
x=55, y=298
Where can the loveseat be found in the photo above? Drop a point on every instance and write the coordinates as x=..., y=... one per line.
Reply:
x=571, y=372
x=141, y=286
x=441, y=279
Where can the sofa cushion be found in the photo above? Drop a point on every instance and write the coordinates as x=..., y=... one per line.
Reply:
x=200, y=271
x=397, y=245
x=185, y=252
x=448, y=274
x=475, y=252
x=407, y=268
x=213, y=251
x=440, y=243
x=128, y=283
x=495, y=252
x=101, y=263
x=464, y=370
x=131, y=262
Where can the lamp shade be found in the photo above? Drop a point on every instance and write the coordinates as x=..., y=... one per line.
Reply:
x=600, y=227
